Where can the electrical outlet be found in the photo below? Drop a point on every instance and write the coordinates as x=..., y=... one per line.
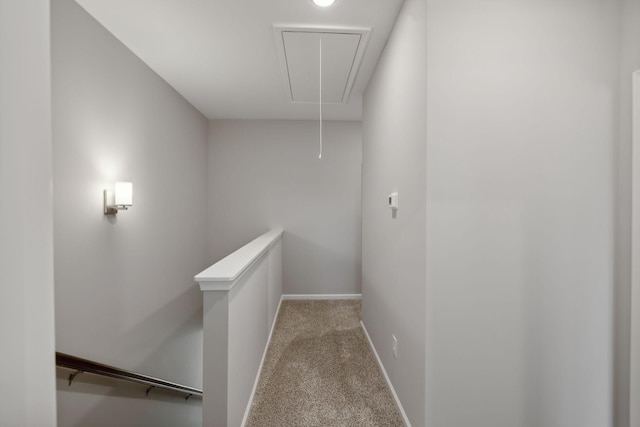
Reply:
x=395, y=346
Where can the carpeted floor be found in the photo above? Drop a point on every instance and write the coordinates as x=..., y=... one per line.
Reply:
x=320, y=371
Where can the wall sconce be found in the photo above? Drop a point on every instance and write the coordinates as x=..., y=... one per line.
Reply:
x=120, y=198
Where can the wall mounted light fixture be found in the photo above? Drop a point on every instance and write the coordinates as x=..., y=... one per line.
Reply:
x=120, y=198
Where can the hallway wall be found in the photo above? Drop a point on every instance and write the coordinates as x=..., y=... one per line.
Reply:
x=124, y=286
x=522, y=122
x=265, y=174
x=522, y=103
x=629, y=62
x=393, y=248
x=27, y=395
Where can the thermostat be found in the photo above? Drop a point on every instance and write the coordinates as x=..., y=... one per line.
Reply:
x=393, y=200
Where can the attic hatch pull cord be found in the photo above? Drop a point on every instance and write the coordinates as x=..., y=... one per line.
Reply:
x=320, y=98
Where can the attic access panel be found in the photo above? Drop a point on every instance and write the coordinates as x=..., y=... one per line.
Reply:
x=342, y=52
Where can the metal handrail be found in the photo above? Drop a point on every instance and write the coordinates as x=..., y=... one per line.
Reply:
x=84, y=365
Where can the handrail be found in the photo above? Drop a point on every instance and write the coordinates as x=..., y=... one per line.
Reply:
x=84, y=365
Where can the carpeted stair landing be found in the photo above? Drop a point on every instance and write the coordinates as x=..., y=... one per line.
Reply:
x=320, y=371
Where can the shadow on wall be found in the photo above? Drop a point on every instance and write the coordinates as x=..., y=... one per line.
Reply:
x=314, y=269
x=165, y=334
x=101, y=401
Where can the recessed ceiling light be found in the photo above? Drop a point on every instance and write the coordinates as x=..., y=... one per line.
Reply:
x=324, y=3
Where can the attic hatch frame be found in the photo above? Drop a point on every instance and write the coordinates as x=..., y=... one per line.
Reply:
x=279, y=32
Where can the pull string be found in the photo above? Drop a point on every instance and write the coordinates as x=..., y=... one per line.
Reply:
x=320, y=99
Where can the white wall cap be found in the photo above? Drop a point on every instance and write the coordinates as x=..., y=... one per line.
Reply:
x=223, y=274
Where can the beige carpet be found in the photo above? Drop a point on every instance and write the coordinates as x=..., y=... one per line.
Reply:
x=320, y=371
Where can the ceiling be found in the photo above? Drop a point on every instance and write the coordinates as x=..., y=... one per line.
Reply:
x=224, y=56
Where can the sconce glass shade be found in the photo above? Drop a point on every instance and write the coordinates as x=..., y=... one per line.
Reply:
x=123, y=194
x=120, y=198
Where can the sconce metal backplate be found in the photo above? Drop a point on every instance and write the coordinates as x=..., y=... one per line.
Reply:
x=109, y=199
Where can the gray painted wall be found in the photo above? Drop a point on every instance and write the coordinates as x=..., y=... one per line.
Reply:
x=265, y=174
x=630, y=62
x=521, y=152
x=393, y=249
x=124, y=289
x=521, y=134
x=27, y=395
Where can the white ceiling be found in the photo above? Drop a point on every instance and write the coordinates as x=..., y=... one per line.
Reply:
x=222, y=56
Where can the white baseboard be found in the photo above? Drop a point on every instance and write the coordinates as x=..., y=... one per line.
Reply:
x=386, y=377
x=264, y=355
x=320, y=296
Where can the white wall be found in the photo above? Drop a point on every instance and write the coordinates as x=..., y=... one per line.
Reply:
x=27, y=395
x=521, y=129
x=629, y=389
x=393, y=249
x=266, y=174
x=124, y=290
x=630, y=62
x=252, y=310
x=237, y=324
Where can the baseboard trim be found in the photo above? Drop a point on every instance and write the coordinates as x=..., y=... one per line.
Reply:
x=386, y=377
x=264, y=355
x=320, y=296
